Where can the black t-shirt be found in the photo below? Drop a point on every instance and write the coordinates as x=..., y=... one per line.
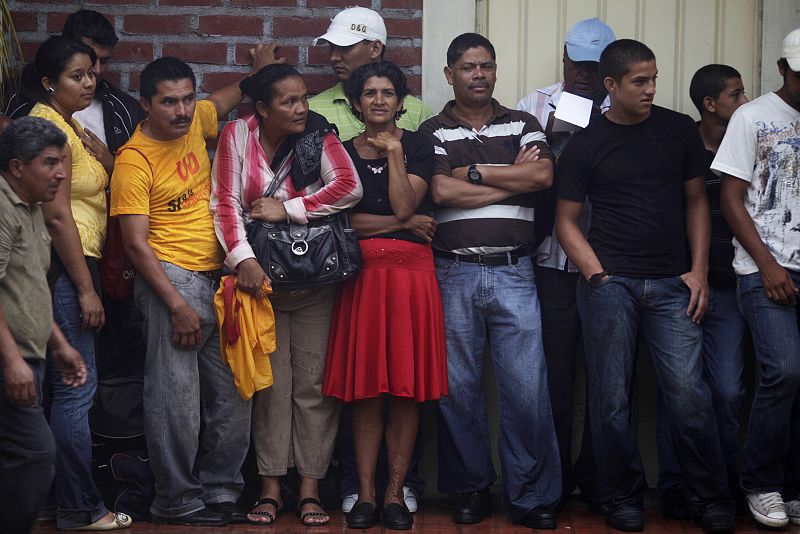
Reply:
x=634, y=177
x=374, y=174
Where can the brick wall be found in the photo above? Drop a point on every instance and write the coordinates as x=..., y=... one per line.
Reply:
x=215, y=35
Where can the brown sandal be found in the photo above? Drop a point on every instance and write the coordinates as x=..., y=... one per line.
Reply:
x=304, y=516
x=272, y=518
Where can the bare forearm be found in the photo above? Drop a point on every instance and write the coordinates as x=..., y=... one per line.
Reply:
x=698, y=229
x=402, y=197
x=9, y=351
x=369, y=225
x=522, y=178
x=453, y=193
x=573, y=241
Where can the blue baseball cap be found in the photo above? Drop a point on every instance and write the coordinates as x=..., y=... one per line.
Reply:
x=587, y=38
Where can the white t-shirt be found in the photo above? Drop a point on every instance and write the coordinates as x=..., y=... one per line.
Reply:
x=762, y=146
x=91, y=118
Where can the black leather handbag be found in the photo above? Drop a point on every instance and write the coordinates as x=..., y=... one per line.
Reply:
x=303, y=256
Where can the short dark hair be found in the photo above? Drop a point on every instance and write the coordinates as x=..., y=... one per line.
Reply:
x=92, y=25
x=25, y=138
x=618, y=57
x=464, y=42
x=354, y=85
x=163, y=69
x=51, y=60
x=710, y=81
x=260, y=87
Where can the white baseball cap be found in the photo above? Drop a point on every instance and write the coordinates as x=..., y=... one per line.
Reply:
x=353, y=25
x=791, y=50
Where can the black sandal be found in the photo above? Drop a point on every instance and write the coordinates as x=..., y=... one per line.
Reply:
x=272, y=518
x=304, y=516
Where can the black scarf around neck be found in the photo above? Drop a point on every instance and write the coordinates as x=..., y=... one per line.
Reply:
x=307, y=147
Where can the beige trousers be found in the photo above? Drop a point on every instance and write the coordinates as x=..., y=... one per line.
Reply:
x=294, y=425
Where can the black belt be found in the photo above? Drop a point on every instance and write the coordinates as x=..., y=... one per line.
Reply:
x=213, y=275
x=499, y=258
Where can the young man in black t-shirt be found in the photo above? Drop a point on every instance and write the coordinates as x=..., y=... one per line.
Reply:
x=641, y=167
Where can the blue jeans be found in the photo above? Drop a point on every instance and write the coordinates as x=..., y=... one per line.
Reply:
x=768, y=446
x=611, y=314
x=78, y=500
x=724, y=332
x=197, y=426
x=497, y=303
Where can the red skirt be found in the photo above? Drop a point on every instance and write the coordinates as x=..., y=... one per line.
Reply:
x=387, y=328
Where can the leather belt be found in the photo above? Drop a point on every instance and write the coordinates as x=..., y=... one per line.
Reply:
x=213, y=275
x=499, y=258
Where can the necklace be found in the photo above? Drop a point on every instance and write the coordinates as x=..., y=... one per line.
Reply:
x=377, y=169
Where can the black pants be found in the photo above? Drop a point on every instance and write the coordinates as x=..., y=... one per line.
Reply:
x=563, y=351
x=27, y=459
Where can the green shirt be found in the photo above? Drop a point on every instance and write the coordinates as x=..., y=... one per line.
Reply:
x=24, y=260
x=332, y=104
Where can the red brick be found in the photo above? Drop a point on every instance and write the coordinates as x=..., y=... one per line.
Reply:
x=119, y=2
x=214, y=53
x=24, y=22
x=55, y=21
x=165, y=24
x=402, y=4
x=404, y=27
x=230, y=25
x=317, y=83
x=414, y=84
x=130, y=51
x=190, y=2
x=217, y=80
x=29, y=49
x=260, y=3
x=291, y=53
x=338, y=3
x=404, y=57
x=299, y=26
x=319, y=55
x=133, y=81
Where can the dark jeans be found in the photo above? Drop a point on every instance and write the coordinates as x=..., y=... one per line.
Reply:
x=771, y=446
x=345, y=453
x=612, y=314
x=724, y=333
x=563, y=351
x=27, y=459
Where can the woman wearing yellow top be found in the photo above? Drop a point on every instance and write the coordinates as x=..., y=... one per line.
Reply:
x=62, y=81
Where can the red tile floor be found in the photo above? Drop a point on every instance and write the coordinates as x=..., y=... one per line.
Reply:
x=434, y=518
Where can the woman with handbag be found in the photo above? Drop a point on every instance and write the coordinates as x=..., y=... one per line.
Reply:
x=387, y=334
x=61, y=80
x=295, y=156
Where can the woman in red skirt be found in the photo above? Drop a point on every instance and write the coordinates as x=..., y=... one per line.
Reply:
x=387, y=333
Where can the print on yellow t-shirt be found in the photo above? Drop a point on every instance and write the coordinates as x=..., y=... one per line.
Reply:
x=170, y=182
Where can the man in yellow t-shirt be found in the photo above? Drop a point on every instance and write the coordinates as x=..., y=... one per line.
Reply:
x=160, y=191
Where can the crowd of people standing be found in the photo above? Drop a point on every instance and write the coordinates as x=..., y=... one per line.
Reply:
x=484, y=231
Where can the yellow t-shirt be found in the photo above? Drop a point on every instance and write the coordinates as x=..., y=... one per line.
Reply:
x=170, y=182
x=88, y=185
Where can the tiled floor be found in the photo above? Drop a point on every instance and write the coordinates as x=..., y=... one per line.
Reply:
x=434, y=518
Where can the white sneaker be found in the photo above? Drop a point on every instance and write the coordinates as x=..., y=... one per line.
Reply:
x=348, y=502
x=793, y=511
x=410, y=499
x=768, y=508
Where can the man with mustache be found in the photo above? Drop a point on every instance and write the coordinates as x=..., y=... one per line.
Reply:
x=357, y=36
x=196, y=425
x=31, y=171
x=641, y=167
x=489, y=160
x=555, y=274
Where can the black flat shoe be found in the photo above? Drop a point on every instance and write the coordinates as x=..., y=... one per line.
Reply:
x=626, y=517
x=473, y=507
x=200, y=518
x=363, y=515
x=396, y=516
x=540, y=518
x=230, y=510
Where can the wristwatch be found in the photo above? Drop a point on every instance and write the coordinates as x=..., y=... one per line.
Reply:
x=474, y=175
x=597, y=278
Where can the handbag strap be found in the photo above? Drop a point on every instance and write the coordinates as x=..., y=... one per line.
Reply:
x=280, y=176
